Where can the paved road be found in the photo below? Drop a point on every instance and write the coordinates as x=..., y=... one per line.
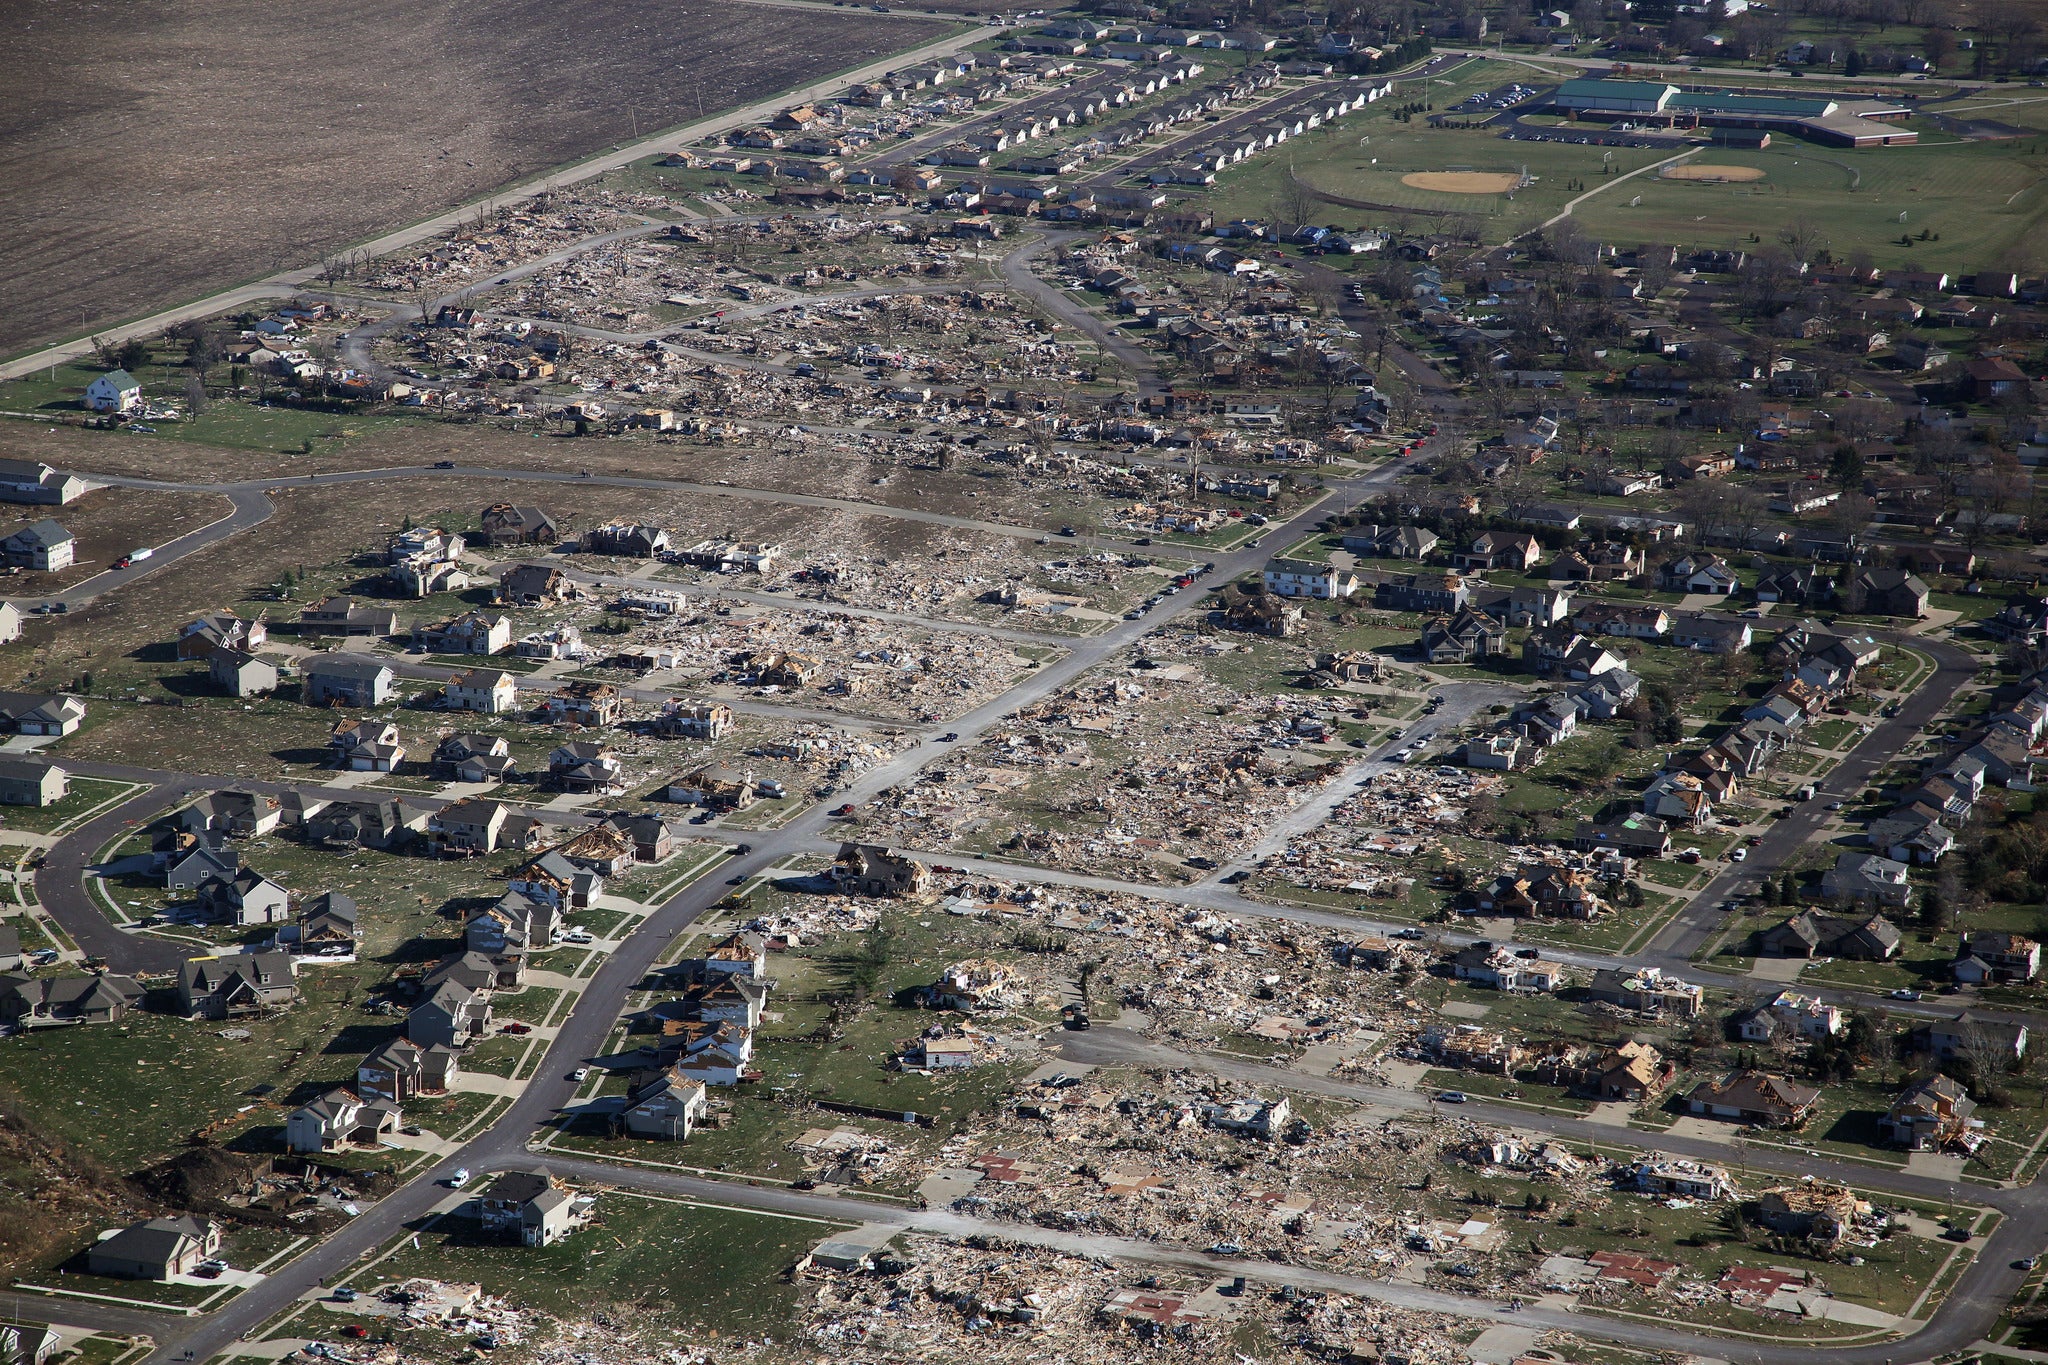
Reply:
x=1054, y=300
x=290, y=283
x=1970, y=1309
x=584, y=1032
x=1697, y=924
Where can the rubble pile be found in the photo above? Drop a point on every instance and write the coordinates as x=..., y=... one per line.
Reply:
x=961, y=335
x=1372, y=841
x=968, y=577
x=1029, y=1304
x=503, y=238
x=831, y=660
x=1130, y=773
x=699, y=268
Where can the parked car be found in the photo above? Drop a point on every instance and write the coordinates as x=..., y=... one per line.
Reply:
x=580, y=1074
x=459, y=1178
x=1451, y=1096
x=1904, y=993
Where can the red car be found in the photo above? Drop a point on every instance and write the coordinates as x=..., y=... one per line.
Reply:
x=844, y=810
x=515, y=1028
x=124, y=561
x=355, y=1330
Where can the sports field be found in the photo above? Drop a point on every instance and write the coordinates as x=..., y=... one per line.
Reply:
x=1986, y=201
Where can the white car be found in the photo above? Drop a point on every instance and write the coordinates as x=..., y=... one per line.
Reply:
x=459, y=1179
x=580, y=1074
x=1737, y=855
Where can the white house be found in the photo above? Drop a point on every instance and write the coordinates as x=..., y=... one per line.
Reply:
x=1301, y=578
x=114, y=391
x=488, y=690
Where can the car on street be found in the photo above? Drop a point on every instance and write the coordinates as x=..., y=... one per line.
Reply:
x=1450, y=1096
x=1409, y=932
x=458, y=1179
x=843, y=811
x=1737, y=854
x=580, y=1074
x=1835, y=805
x=2024, y=1263
x=1905, y=993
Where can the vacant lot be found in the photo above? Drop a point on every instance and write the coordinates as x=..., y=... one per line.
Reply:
x=663, y=1266
x=172, y=171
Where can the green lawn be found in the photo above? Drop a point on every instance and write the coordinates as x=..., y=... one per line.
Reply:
x=85, y=793
x=667, y=1267
x=127, y=1094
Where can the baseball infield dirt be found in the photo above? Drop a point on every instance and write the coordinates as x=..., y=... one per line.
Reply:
x=1693, y=170
x=1463, y=182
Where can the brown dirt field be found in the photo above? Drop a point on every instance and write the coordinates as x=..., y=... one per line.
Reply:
x=973, y=489
x=109, y=523
x=226, y=141
x=1463, y=182
x=1693, y=170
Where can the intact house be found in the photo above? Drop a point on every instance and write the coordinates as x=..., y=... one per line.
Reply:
x=1303, y=578
x=241, y=674
x=115, y=391
x=348, y=680
x=159, y=1249
x=43, y=545
x=1812, y=934
x=531, y=1207
x=1756, y=1097
x=453, y=1015
x=1888, y=592
x=1463, y=637
x=245, y=898
x=345, y=616
x=506, y=524
x=31, y=782
x=1866, y=877
x=487, y=691
x=1698, y=573
x=339, y=1119
x=667, y=1109
x=28, y=1002
x=1500, y=550
x=586, y=766
x=1976, y=1038
x=1710, y=634
x=475, y=758
x=244, y=984
x=401, y=1069
x=34, y=483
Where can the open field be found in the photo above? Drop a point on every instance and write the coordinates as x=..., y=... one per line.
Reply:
x=143, y=182
x=665, y=1265
x=1985, y=200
